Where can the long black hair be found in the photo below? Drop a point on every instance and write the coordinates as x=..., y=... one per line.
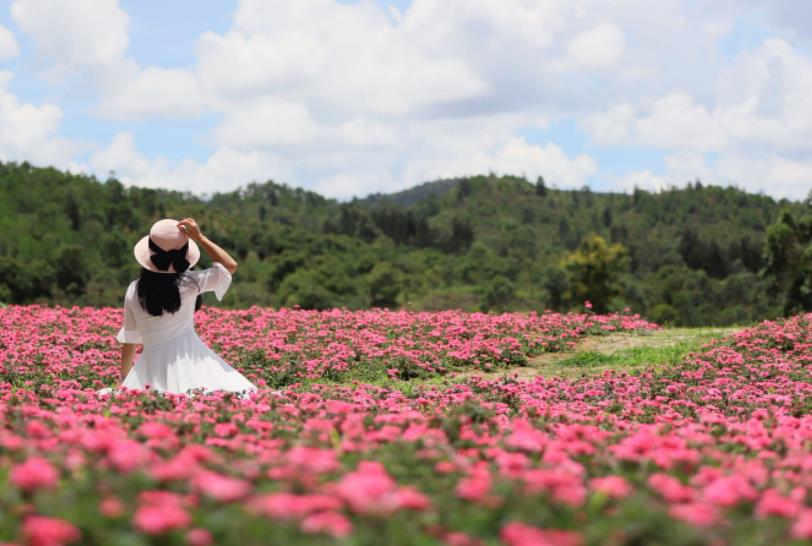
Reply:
x=159, y=292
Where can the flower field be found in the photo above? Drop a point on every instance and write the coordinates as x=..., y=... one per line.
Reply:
x=368, y=445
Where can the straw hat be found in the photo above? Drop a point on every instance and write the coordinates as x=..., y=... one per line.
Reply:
x=166, y=249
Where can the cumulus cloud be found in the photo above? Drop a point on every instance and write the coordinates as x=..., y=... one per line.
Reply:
x=672, y=121
x=136, y=93
x=351, y=98
x=345, y=57
x=225, y=169
x=758, y=125
x=265, y=123
x=120, y=157
x=644, y=180
x=601, y=46
x=516, y=157
x=9, y=48
x=78, y=33
x=29, y=132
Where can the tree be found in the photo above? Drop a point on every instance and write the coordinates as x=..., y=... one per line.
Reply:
x=384, y=286
x=463, y=189
x=541, y=188
x=789, y=261
x=498, y=293
x=594, y=268
x=72, y=271
x=607, y=216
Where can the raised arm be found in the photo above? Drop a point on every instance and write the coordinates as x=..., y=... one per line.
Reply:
x=216, y=253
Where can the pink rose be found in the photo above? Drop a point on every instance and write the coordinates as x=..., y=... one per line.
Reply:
x=199, y=537
x=44, y=531
x=613, y=486
x=520, y=534
x=154, y=519
x=331, y=523
x=35, y=473
x=221, y=488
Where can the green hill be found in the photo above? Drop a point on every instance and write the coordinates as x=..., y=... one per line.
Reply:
x=693, y=255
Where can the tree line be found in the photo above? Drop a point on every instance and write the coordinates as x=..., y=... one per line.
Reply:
x=700, y=254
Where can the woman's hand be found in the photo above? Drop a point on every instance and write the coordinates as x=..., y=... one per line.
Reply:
x=190, y=227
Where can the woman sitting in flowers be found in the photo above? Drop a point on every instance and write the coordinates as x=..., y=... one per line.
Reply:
x=159, y=312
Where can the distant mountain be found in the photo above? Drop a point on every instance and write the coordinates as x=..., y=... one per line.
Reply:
x=694, y=255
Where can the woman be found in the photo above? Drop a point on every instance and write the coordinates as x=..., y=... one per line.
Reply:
x=159, y=312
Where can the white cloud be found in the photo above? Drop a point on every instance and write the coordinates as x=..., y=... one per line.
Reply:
x=644, y=180
x=136, y=93
x=9, y=48
x=685, y=167
x=122, y=157
x=29, y=132
x=778, y=176
x=601, y=46
x=350, y=98
x=265, y=123
x=516, y=157
x=758, y=127
x=225, y=169
x=77, y=33
x=342, y=57
x=85, y=42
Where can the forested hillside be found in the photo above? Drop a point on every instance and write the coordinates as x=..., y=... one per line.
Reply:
x=686, y=256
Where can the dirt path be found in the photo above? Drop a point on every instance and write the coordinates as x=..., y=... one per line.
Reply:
x=622, y=350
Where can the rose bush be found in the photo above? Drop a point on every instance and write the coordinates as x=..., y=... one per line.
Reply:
x=716, y=450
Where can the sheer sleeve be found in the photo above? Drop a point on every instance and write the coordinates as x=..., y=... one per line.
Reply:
x=215, y=279
x=129, y=331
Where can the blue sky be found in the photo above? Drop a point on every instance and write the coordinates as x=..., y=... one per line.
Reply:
x=354, y=97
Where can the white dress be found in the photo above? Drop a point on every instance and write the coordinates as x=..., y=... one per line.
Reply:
x=174, y=358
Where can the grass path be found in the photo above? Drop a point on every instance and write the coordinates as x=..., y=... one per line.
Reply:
x=623, y=350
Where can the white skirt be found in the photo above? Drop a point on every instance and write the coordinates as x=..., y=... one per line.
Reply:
x=182, y=363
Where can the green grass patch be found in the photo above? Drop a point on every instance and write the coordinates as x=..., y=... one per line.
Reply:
x=629, y=352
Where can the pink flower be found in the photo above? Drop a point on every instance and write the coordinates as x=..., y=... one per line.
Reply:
x=331, y=523
x=520, y=534
x=44, y=531
x=588, y=304
x=312, y=459
x=729, y=490
x=179, y=467
x=157, y=519
x=456, y=538
x=525, y=436
x=773, y=503
x=670, y=488
x=219, y=487
x=127, y=455
x=35, y=473
x=199, y=537
x=695, y=513
x=152, y=429
x=476, y=486
x=802, y=528
x=613, y=486
x=369, y=489
x=411, y=499
x=288, y=505
x=111, y=507
x=225, y=429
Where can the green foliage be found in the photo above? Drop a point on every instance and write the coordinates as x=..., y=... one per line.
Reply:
x=475, y=243
x=384, y=286
x=789, y=261
x=498, y=294
x=594, y=269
